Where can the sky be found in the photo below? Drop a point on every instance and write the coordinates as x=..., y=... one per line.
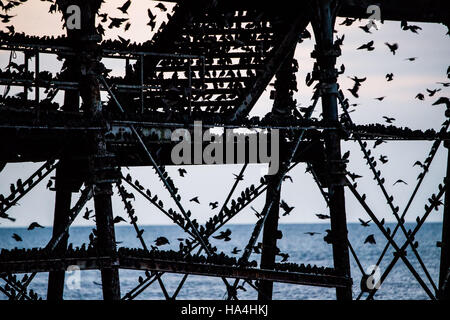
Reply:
x=211, y=183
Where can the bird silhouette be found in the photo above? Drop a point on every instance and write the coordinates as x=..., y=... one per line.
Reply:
x=34, y=225
x=87, y=214
x=368, y=46
x=214, y=204
x=16, y=237
x=182, y=172
x=420, y=96
x=389, y=77
x=392, y=47
x=284, y=256
x=413, y=28
x=388, y=119
x=258, y=215
x=235, y=250
x=118, y=219
x=287, y=209
x=125, y=7
x=378, y=142
x=161, y=7
x=432, y=92
x=442, y=100
x=322, y=216
x=370, y=239
x=364, y=223
x=418, y=163
x=399, y=181
x=383, y=159
x=224, y=235
x=195, y=199
x=312, y=233
x=160, y=241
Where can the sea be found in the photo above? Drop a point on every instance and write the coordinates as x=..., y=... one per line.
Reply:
x=302, y=248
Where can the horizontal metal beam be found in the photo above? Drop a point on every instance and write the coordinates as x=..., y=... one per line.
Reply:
x=210, y=270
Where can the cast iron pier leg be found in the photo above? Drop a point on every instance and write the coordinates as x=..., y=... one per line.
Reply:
x=101, y=164
x=326, y=54
x=63, y=199
x=270, y=233
x=444, y=291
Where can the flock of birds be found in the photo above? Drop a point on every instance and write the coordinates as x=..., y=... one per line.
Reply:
x=236, y=81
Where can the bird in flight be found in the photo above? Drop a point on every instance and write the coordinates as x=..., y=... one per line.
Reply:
x=392, y=47
x=411, y=59
x=214, y=205
x=182, y=172
x=322, y=216
x=378, y=142
x=399, y=181
x=125, y=7
x=152, y=21
x=257, y=214
x=312, y=233
x=432, y=92
x=161, y=7
x=370, y=239
x=383, y=159
x=160, y=241
x=284, y=256
x=418, y=163
x=287, y=209
x=87, y=214
x=412, y=28
x=364, y=223
x=390, y=77
x=388, y=119
x=224, y=235
x=118, y=219
x=16, y=237
x=34, y=225
x=420, y=96
x=367, y=46
x=380, y=98
x=442, y=100
x=354, y=176
x=195, y=199
x=235, y=250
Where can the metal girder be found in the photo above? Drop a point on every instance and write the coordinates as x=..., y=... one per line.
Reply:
x=210, y=270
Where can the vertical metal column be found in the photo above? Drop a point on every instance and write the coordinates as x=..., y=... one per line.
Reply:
x=270, y=236
x=100, y=162
x=326, y=56
x=270, y=232
x=444, y=291
x=63, y=199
